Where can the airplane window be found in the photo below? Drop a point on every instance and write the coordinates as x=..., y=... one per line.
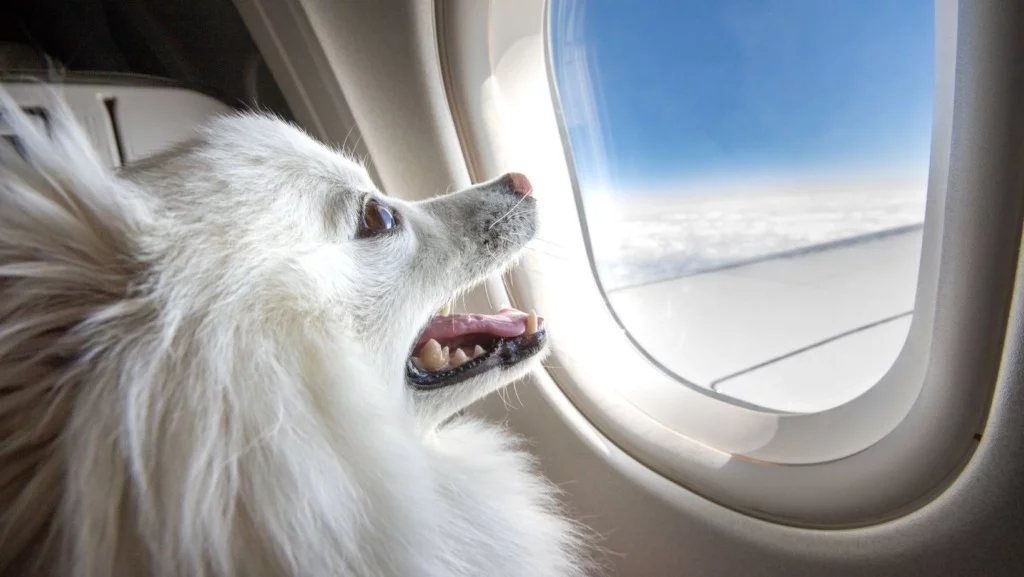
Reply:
x=753, y=177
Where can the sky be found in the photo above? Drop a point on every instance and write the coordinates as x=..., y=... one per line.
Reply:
x=670, y=91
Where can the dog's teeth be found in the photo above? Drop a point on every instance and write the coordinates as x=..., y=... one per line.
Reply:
x=458, y=358
x=433, y=356
x=531, y=323
x=478, y=351
x=445, y=310
x=446, y=356
x=419, y=363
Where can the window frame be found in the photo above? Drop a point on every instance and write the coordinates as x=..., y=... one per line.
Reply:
x=874, y=458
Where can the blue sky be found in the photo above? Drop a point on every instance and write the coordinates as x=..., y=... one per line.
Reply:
x=697, y=89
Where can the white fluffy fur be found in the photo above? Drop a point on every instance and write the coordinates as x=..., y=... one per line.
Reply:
x=202, y=370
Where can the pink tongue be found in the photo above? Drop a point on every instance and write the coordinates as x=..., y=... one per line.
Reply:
x=507, y=323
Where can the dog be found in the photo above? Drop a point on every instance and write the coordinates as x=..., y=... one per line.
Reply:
x=228, y=360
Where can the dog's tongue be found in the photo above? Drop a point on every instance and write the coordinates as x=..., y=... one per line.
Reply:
x=507, y=323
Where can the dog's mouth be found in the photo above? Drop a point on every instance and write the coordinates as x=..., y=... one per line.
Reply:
x=456, y=347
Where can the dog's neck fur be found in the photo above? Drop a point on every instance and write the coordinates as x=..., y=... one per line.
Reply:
x=138, y=442
x=257, y=485
x=195, y=482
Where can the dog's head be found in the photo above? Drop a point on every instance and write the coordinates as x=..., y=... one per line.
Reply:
x=266, y=216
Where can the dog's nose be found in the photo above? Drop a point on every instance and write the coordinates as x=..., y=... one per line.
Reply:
x=519, y=184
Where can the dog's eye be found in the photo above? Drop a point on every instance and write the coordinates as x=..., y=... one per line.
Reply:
x=377, y=218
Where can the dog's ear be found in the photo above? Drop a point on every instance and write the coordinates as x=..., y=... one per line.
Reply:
x=68, y=228
x=67, y=267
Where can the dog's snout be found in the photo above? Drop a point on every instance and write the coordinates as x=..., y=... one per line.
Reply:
x=518, y=183
x=493, y=219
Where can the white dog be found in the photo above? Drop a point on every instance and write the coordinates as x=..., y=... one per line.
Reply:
x=224, y=362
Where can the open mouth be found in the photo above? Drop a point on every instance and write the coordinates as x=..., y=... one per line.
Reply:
x=456, y=347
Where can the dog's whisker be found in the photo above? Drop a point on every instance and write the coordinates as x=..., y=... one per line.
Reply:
x=516, y=391
x=511, y=239
x=520, y=213
x=355, y=147
x=548, y=254
x=538, y=250
x=487, y=294
x=504, y=399
x=510, y=283
x=508, y=291
x=548, y=242
x=345, y=141
x=519, y=235
x=504, y=216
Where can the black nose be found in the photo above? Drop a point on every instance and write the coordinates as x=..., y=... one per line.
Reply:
x=518, y=183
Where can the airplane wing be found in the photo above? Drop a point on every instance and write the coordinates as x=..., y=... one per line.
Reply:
x=800, y=332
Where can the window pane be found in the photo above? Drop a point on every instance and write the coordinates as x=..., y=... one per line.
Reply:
x=753, y=175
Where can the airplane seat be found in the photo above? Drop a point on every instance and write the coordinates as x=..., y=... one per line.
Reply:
x=127, y=117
